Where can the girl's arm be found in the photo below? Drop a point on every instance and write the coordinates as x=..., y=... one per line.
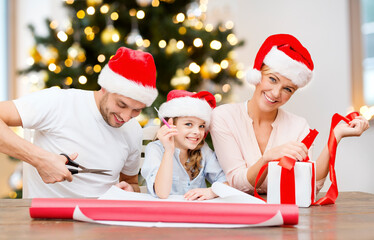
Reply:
x=164, y=177
x=355, y=128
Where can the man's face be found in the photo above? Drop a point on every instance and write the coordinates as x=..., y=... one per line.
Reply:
x=117, y=109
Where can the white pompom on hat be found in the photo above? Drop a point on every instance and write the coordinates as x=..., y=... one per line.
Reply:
x=283, y=54
x=181, y=103
x=131, y=73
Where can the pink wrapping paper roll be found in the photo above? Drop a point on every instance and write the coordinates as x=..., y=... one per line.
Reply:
x=178, y=212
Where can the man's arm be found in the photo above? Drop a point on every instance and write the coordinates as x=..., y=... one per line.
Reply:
x=125, y=182
x=51, y=167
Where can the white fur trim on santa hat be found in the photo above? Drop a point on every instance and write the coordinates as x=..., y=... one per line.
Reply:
x=281, y=63
x=116, y=83
x=186, y=107
x=253, y=76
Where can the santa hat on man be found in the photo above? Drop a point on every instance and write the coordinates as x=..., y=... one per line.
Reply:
x=181, y=103
x=132, y=74
x=283, y=54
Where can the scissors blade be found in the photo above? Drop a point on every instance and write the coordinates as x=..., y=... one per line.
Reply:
x=97, y=171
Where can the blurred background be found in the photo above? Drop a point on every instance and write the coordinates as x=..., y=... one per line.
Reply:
x=197, y=45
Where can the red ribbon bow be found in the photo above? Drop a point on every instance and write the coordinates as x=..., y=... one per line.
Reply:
x=288, y=174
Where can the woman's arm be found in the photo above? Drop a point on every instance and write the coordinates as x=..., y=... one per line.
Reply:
x=355, y=128
x=295, y=150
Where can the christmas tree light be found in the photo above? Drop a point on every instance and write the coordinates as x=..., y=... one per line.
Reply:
x=188, y=52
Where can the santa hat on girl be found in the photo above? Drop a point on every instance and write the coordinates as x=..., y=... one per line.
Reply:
x=181, y=103
x=283, y=54
x=132, y=74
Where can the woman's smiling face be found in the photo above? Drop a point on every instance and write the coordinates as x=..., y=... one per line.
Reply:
x=273, y=91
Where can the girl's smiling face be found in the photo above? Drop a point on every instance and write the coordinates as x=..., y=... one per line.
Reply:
x=191, y=131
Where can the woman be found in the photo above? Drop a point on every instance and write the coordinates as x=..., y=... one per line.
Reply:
x=248, y=135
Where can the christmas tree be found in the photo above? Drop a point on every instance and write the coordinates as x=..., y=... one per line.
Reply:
x=188, y=53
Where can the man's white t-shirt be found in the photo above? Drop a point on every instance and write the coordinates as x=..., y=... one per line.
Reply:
x=68, y=121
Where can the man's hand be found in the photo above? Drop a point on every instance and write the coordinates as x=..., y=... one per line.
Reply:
x=53, y=169
x=125, y=186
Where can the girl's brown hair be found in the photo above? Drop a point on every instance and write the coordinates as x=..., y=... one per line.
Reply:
x=194, y=165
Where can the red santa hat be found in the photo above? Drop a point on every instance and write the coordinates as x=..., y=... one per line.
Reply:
x=131, y=73
x=181, y=103
x=283, y=54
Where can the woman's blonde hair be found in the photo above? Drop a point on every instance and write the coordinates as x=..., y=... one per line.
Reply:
x=193, y=166
x=265, y=69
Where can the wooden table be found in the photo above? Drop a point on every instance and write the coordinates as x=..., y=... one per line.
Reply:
x=352, y=217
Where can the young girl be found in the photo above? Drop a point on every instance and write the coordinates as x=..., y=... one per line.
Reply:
x=248, y=135
x=180, y=161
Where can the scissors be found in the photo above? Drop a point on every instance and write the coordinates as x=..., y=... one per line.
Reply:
x=83, y=169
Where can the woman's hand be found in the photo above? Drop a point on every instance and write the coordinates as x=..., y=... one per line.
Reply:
x=355, y=128
x=295, y=150
x=166, y=135
x=200, y=194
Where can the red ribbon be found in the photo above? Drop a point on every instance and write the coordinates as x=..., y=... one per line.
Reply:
x=332, y=193
x=287, y=187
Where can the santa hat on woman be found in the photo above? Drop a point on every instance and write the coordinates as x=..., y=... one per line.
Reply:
x=131, y=73
x=283, y=54
x=181, y=103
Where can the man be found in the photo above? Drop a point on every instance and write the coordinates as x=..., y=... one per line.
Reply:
x=96, y=129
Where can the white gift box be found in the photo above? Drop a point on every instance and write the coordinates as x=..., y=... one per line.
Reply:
x=304, y=187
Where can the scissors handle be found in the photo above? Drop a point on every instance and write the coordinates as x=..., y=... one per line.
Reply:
x=73, y=171
x=69, y=161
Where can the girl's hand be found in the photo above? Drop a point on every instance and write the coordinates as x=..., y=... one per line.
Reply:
x=200, y=194
x=166, y=135
x=355, y=128
x=295, y=150
x=125, y=186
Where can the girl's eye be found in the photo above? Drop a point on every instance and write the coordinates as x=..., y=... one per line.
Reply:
x=202, y=126
x=188, y=124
